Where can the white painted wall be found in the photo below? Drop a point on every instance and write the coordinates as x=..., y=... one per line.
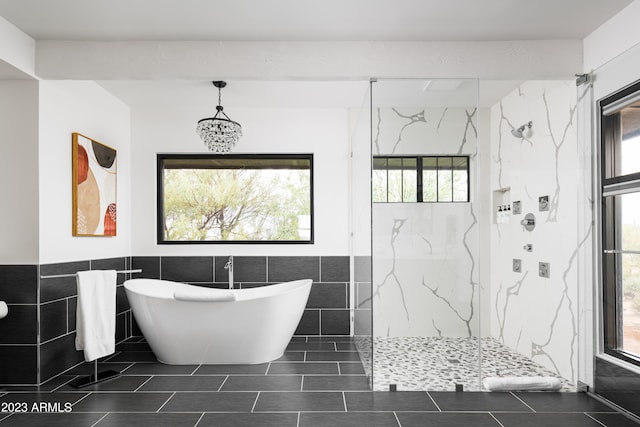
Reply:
x=67, y=107
x=323, y=132
x=19, y=171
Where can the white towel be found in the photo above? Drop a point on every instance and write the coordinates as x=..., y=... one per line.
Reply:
x=204, y=295
x=96, y=313
x=521, y=383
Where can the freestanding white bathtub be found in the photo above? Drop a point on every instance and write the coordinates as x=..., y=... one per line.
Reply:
x=188, y=325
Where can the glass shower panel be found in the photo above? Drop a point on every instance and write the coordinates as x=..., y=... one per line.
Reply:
x=424, y=269
x=362, y=178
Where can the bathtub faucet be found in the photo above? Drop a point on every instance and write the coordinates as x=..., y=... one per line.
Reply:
x=229, y=266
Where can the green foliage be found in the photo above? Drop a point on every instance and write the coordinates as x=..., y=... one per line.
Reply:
x=234, y=204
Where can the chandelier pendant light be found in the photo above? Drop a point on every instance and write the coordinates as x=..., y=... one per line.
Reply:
x=219, y=133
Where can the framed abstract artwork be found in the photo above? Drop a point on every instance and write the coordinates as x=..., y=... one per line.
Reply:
x=94, y=187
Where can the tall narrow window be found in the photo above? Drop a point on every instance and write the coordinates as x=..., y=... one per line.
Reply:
x=620, y=194
x=235, y=198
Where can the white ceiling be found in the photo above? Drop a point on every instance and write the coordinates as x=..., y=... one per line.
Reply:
x=299, y=20
x=326, y=20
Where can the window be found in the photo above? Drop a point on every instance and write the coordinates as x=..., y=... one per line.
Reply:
x=620, y=194
x=420, y=179
x=235, y=198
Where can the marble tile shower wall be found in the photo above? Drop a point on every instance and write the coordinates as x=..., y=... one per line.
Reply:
x=327, y=311
x=425, y=275
x=537, y=316
x=37, y=338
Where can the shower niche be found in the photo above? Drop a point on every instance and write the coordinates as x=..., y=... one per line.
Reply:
x=502, y=208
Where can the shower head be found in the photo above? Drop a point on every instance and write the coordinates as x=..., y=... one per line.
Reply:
x=519, y=133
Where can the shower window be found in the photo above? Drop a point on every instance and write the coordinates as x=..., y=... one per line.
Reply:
x=620, y=192
x=420, y=179
x=235, y=198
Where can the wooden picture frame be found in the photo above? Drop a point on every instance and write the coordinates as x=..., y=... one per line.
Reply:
x=94, y=171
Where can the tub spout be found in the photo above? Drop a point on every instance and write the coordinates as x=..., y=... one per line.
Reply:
x=229, y=266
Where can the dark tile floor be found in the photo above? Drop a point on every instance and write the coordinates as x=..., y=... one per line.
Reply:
x=318, y=382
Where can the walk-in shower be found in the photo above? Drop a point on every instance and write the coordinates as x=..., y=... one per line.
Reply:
x=439, y=304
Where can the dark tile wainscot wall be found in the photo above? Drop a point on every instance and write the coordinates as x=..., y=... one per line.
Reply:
x=37, y=338
x=19, y=330
x=327, y=312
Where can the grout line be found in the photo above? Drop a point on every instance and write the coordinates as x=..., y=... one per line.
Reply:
x=128, y=367
x=195, y=370
x=141, y=385
x=199, y=419
x=525, y=403
x=167, y=401
x=268, y=368
x=434, y=402
x=255, y=402
x=599, y=422
x=82, y=398
x=98, y=422
x=223, y=382
x=344, y=401
x=64, y=384
x=298, y=421
x=339, y=370
x=397, y=419
x=493, y=416
x=302, y=383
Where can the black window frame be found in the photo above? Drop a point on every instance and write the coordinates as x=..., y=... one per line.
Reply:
x=419, y=159
x=161, y=157
x=613, y=183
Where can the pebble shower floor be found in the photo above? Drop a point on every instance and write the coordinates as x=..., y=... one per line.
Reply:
x=438, y=363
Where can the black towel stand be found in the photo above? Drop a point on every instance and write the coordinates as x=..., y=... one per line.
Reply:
x=97, y=377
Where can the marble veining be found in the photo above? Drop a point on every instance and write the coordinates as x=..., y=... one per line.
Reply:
x=469, y=124
x=539, y=349
x=444, y=113
x=510, y=292
x=391, y=275
x=376, y=140
x=469, y=317
x=555, y=199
